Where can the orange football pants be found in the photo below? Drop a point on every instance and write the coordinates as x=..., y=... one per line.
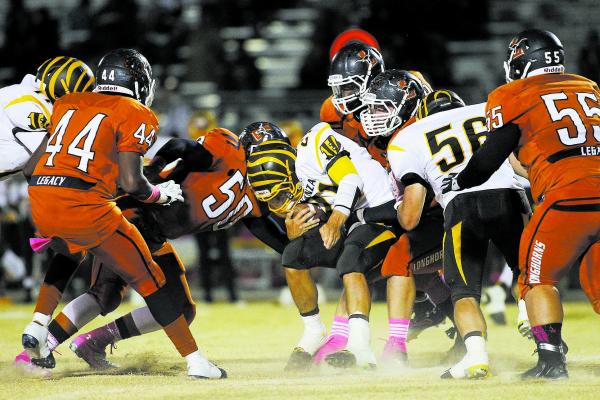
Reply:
x=564, y=231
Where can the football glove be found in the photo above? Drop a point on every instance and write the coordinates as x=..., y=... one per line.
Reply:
x=170, y=192
x=450, y=184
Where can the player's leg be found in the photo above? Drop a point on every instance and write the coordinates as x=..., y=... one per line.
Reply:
x=364, y=249
x=464, y=255
x=299, y=256
x=544, y=260
x=338, y=335
x=91, y=346
x=128, y=254
x=35, y=337
x=401, y=292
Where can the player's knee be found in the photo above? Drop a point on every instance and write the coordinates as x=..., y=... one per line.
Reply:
x=162, y=306
x=295, y=255
x=108, y=296
x=353, y=259
x=189, y=312
x=463, y=292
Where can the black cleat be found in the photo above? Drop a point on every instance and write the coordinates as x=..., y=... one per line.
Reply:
x=299, y=361
x=546, y=370
x=426, y=318
x=46, y=362
x=29, y=342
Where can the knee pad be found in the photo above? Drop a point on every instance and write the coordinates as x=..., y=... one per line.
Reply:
x=189, y=312
x=107, y=288
x=163, y=307
x=308, y=251
x=463, y=291
x=353, y=259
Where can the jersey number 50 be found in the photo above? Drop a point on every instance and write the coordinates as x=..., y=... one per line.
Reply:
x=564, y=135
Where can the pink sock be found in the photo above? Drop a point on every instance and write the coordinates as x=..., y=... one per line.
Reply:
x=399, y=331
x=339, y=327
x=336, y=341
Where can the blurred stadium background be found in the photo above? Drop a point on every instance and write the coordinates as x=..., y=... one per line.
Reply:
x=230, y=62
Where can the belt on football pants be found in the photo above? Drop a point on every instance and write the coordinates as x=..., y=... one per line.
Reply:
x=60, y=181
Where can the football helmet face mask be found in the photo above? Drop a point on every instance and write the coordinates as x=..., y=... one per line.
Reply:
x=259, y=132
x=126, y=72
x=534, y=52
x=391, y=100
x=61, y=75
x=270, y=171
x=351, y=71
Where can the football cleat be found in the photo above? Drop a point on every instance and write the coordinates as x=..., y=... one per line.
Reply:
x=299, y=361
x=24, y=363
x=34, y=340
x=333, y=344
x=424, y=318
x=546, y=370
x=92, y=349
x=470, y=367
x=363, y=358
x=204, y=369
x=394, y=353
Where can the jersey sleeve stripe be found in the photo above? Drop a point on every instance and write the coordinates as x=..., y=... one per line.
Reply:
x=26, y=98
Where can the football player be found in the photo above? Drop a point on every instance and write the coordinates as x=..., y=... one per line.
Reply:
x=551, y=120
x=98, y=141
x=352, y=69
x=25, y=108
x=439, y=143
x=333, y=173
x=215, y=198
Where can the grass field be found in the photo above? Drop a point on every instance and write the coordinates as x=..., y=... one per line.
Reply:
x=252, y=343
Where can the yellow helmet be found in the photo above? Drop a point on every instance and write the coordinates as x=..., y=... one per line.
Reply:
x=270, y=171
x=61, y=75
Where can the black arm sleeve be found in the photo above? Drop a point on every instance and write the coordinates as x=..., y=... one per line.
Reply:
x=194, y=156
x=268, y=231
x=385, y=213
x=490, y=156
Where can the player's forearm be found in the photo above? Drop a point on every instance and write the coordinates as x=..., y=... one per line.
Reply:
x=490, y=156
x=385, y=213
x=411, y=207
x=131, y=178
x=267, y=232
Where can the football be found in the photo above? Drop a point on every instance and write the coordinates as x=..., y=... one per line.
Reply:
x=320, y=213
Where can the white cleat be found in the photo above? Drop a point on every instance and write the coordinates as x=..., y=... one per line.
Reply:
x=34, y=340
x=204, y=369
x=470, y=367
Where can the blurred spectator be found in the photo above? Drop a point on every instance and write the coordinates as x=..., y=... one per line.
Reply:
x=589, y=57
x=201, y=122
x=293, y=128
x=80, y=17
x=214, y=256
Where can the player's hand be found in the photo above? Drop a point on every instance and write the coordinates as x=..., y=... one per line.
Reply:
x=170, y=192
x=331, y=232
x=297, y=223
x=450, y=184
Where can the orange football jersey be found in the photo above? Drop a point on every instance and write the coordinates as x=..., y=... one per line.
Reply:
x=88, y=130
x=215, y=199
x=559, y=118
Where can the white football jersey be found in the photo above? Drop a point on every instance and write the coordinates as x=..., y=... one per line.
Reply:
x=24, y=114
x=443, y=143
x=318, y=148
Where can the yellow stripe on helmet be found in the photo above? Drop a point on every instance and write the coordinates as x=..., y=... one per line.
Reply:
x=52, y=84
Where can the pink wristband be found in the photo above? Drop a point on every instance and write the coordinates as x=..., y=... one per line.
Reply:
x=154, y=196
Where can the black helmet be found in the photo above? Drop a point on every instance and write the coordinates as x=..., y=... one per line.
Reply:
x=534, y=52
x=438, y=101
x=259, y=132
x=350, y=73
x=270, y=172
x=126, y=72
x=391, y=99
x=61, y=75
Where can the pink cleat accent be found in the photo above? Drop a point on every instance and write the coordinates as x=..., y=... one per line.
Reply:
x=23, y=362
x=333, y=344
x=394, y=351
